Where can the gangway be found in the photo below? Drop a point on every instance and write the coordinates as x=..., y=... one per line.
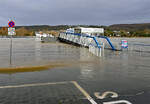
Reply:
x=85, y=40
x=84, y=35
x=94, y=38
x=108, y=40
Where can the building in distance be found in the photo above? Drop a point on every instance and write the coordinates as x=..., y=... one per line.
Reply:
x=88, y=31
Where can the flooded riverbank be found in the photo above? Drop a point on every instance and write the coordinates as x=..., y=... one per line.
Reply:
x=123, y=72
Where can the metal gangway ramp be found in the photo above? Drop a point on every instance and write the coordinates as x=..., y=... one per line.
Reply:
x=85, y=40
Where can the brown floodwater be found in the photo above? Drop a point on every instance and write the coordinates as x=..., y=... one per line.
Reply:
x=126, y=73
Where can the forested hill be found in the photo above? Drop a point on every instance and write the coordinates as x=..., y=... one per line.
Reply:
x=127, y=27
x=130, y=27
x=44, y=27
x=30, y=30
x=57, y=27
x=124, y=30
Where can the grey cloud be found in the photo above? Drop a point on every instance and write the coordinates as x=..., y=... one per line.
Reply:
x=93, y=12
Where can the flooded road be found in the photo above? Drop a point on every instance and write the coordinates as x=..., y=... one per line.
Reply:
x=124, y=74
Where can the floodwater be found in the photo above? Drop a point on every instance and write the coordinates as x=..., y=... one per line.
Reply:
x=125, y=73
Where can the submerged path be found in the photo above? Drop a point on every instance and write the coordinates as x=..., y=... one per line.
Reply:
x=111, y=79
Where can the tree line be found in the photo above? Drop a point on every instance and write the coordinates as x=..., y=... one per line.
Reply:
x=113, y=30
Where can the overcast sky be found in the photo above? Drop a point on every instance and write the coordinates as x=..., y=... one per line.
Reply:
x=85, y=12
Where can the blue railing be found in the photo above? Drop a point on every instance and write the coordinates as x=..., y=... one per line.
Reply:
x=108, y=40
x=94, y=38
x=84, y=35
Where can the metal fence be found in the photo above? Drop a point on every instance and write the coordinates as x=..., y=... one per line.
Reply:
x=91, y=42
x=139, y=47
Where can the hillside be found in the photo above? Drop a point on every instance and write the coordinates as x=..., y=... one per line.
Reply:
x=57, y=27
x=130, y=27
x=123, y=30
x=127, y=27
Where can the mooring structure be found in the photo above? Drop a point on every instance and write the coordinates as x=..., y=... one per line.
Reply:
x=85, y=40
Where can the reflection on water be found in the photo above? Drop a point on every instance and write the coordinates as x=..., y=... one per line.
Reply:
x=124, y=72
x=126, y=65
x=29, y=52
x=26, y=52
x=87, y=71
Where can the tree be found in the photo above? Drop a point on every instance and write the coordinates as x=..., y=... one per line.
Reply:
x=4, y=31
x=23, y=32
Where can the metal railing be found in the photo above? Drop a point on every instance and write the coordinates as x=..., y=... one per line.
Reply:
x=91, y=42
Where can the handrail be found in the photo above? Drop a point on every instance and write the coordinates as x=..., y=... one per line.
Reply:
x=108, y=40
x=85, y=35
x=94, y=38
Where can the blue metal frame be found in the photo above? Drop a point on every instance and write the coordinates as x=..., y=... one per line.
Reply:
x=96, y=42
x=84, y=35
x=94, y=38
x=108, y=40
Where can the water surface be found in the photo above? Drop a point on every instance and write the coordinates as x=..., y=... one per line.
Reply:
x=126, y=73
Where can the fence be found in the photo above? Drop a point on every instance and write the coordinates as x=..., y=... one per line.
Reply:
x=139, y=47
x=91, y=42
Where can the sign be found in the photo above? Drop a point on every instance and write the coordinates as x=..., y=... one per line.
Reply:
x=124, y=44
x=11, y=31
x=11, y=24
